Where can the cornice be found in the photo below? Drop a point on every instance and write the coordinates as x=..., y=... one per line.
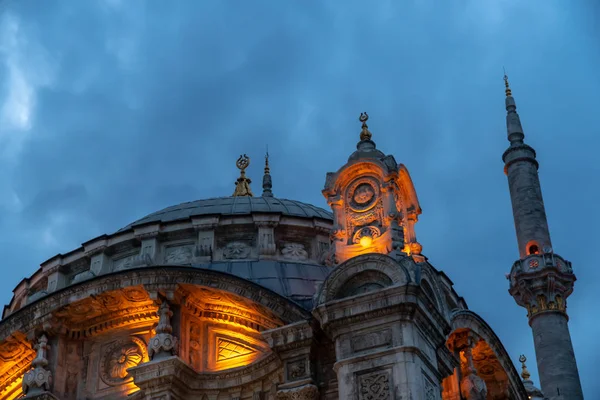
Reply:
x=34, y=314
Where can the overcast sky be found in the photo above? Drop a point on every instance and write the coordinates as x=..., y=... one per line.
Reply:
x=110, y=110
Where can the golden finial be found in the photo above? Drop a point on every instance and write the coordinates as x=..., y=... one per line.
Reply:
x=364, y=134
x=506, y=85
x=242, y=185
x=525, y=373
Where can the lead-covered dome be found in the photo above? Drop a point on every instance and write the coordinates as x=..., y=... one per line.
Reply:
x=280, y=244
x=233, y=206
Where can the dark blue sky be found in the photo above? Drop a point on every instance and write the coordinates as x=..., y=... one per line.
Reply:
x=111, y=109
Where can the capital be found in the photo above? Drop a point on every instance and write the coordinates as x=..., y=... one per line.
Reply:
x=541, y=283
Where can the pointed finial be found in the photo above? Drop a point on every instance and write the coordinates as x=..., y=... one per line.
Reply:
x=267, y=183
x=242, y=185
x=364, y=134
x=524, y=373
x=506, y=85
x=267, y=169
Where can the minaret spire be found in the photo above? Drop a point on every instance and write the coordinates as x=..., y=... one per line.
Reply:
x=540, y=280
x=267, y=183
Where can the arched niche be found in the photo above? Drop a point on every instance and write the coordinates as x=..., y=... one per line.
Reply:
x=362, y=273
x=492, y=362
x=104, y=325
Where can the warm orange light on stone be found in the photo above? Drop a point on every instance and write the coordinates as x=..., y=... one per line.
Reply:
x=366, y=241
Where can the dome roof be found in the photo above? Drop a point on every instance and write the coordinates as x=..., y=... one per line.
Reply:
x=233, y=206
x=292, y=280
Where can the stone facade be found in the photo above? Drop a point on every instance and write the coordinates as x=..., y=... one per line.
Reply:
x=261, y=298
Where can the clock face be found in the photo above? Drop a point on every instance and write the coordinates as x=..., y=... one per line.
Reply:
x=362, y=194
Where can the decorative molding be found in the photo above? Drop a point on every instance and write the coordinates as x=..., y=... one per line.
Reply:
x=304, y=392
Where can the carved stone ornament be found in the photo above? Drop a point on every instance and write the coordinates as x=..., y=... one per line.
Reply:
x=296, y=370
x=119, y=357
x=304, y=392
x=38, y=379
x=294, y=251
x=163, y=343
x=429, y=389
x=362, y=194
x=374, y=386
x=236, y=251
x=178, y=255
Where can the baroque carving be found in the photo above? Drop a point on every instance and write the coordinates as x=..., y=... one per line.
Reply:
x=294, y=251
x=163, y=343
x=304, y=392
x=120, y=356
x=38, y=379
x=73, y=367
x=374, y=386
x=296, y=369
x=362, y=194
x=236, y=251
x=178, y=255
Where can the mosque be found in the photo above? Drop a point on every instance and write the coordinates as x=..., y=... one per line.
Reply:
x=254, y=297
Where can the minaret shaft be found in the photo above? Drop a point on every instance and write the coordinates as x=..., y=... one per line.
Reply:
x=559, y=376
x=540, y=280
x=533, y=235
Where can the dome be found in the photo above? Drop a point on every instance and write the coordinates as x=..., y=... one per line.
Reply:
x=233, y=206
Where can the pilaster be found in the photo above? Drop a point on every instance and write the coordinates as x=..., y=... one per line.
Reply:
x=295, y=345
x=387, y=345
x=205, y=227
x=266, y=234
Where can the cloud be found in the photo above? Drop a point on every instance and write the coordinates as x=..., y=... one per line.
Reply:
x=110, y=110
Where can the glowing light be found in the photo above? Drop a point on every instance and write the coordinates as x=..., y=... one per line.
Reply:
x=366, y=241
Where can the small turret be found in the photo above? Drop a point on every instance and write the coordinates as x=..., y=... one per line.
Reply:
x=267, y=183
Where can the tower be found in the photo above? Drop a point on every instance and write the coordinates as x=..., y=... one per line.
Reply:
x=374, y=203
x=540, y=280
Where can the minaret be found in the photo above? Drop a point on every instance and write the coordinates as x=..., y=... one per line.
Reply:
x=267, y=183
x=540, y=280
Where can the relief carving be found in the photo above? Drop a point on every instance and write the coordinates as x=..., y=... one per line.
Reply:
x=178, y=255
x=236, y=251
x=73, y=367
x=296, y=370
x=374, y=386
x=120, y=356
x=135, y=294
x=304, y=392
x=294, y=251
x=363, y=194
